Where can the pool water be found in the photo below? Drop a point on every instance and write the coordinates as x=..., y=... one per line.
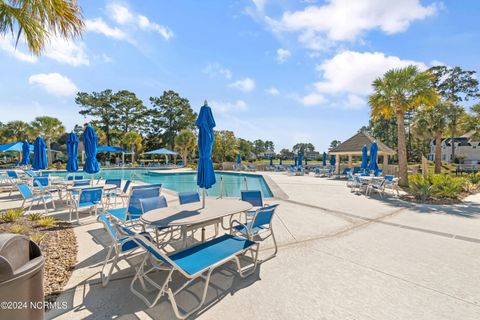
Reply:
x=228, y=183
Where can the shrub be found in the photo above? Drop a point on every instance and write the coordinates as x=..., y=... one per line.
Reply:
x=34, y=216
x=474, y=178
x=17, y=229
x=11, y=215
x=450, y=188
x=47, y=222
x=37, y=237
x=420, y=187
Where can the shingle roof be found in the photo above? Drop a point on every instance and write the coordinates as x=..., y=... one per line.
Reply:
x=355, y=144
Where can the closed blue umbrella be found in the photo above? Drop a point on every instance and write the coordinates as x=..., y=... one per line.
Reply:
x=364, y=157
x=90, y=142
x=25, y=153
x=72, y=152
x=299, y=159
x=271, y=161
x=306, y=161
x=205, y=124
x=332, y=160
x=324, y=159
x=40, y=161
x=373, y=166
x=280, y=161
x=239, y=159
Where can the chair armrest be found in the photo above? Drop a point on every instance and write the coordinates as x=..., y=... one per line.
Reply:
x=242, y=224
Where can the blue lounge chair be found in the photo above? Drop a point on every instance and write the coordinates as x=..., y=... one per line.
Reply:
x=260, y=228
x=74, y=178
x=188, y=197
x=122, y=246
x=133, y=210
x=13, y=180
x=28, y=195
x=87, y=198
x=192, y=263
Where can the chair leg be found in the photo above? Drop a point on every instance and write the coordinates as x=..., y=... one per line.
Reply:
x=106, y=277
x=45, y=206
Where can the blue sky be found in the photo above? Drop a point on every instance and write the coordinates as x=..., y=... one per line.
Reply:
x=287, y=71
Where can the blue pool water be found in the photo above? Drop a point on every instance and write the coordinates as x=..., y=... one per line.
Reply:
x=186, y=181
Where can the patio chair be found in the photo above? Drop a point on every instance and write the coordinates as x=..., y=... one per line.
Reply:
x=133, y=210
x=121, y=246
x=13, y=180
x=317, y=172
x=115, y=193
x=149, y=204
x=81, y=183
x=192, y=263
x=344, y=174
x=123, y=194
x=74, y=178
x=378, y=173
x=188, y=197
x=391, y=182
x=88, y=198
x=376, y=185
x=260, y=228
x=358, y=185
x=254, y=197
x=30, y=173
x=28, y=195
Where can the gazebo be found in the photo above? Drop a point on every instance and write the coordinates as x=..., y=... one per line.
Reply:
x=353, y=147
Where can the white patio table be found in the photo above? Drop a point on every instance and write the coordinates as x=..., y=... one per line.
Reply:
x=192, y=214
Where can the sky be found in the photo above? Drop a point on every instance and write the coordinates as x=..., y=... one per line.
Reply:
x=287, y=71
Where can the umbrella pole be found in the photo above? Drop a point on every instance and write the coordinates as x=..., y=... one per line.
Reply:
x=203, y=199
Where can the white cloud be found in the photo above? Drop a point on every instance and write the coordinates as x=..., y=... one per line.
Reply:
x=97, y=25
x=355, y=101
x=354, y=72
x=346, y=20
x=145, y=24
x=215, y=69
x=54, y=83
x=259, y=4
x=273, y=91
x=65, y=51
x=119, y=13
x=130, y=21
x=245, y=85
x=283, y=55
x=312, y=99
x=7, y=44
x=226, y=107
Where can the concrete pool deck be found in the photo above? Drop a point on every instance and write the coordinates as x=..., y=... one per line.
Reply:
x=341, y=256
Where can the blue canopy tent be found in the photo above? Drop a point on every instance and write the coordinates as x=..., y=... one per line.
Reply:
x=373, y=166
x=90, y=142
x=112, y=149
x=72, y=152
x=324, y=159
x=25, y=153
x=299, y=159
x=40, y=161
x=162, y=151
x=205, y=124
x=364, y=157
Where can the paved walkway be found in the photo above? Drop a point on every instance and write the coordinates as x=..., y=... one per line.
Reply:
x=341, y=256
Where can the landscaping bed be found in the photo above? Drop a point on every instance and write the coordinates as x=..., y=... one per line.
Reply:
x=56, y=240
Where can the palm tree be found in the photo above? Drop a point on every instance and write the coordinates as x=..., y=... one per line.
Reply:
x=185, y=142
x=432, y=122
x=49, y=128
x=399, y=91
x=17, y=130
x=134, y=141
x=38, y=20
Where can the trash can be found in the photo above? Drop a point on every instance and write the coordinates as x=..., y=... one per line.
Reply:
x=21, y=278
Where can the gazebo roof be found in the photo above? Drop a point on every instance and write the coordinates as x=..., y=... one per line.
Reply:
x=354, y=145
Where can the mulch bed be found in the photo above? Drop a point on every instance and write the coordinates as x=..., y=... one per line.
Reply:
x=59, y=247
x=443, y=201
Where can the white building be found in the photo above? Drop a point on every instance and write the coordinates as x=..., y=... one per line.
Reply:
x=465, y=149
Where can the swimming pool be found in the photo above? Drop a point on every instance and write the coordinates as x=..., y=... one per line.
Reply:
x=186, y=181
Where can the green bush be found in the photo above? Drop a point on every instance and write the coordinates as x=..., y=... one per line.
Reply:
x=11, y=215
x=447, y=186
x=35, y=216
x=47, y=222
x=474, y=178
x=420, y=187
x=17, y=229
